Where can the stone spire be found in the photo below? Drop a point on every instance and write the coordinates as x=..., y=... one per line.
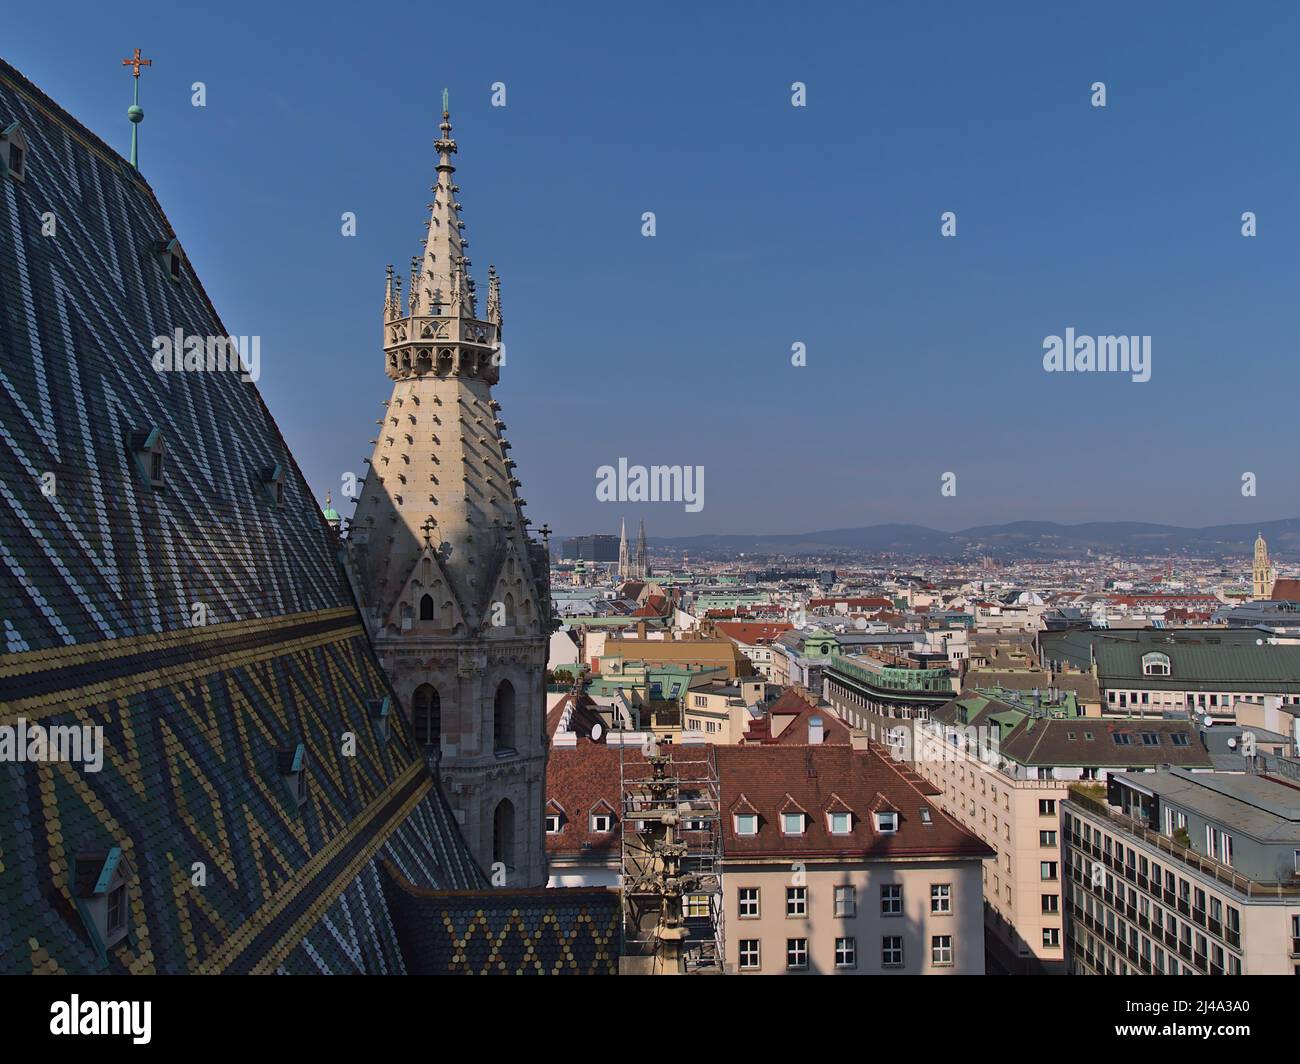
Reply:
x=444, y=248
x=642, y=561
x=623, y=572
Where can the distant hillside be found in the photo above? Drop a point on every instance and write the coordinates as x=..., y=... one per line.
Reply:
x=1021, y=539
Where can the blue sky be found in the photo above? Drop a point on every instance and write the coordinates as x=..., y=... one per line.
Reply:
x=776, y=225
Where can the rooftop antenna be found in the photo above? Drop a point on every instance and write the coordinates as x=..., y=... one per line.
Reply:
x=135, y=112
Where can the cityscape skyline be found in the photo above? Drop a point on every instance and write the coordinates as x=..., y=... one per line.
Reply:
x=776, y=226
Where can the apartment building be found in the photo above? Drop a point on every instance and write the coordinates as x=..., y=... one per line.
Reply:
x=1198, y=672
x=1183, y=873
x=1004, y=763
x=721, y=711
x=836, y=860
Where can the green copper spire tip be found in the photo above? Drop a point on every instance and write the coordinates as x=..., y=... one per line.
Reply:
x=445, y=108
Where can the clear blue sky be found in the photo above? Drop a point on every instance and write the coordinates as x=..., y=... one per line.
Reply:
x=775, y=225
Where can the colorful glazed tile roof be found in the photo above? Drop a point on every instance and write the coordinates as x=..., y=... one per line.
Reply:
x=251, y=785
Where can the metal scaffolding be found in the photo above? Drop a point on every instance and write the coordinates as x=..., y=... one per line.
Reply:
x=671, y=833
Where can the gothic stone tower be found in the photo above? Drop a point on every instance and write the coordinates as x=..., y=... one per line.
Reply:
x=453, y=591
x=1261, y=571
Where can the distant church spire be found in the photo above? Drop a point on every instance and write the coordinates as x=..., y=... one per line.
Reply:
x=642, y=565
x=623, y=573
x=1262, y=571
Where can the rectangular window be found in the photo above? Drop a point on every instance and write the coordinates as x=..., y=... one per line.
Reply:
x=887, y=823
x=940, y=898
x=1047, y=807
x=1047, y=870
x=846, y=901
x=891, y=899
x=796, y=953
x=891, y=951
x=1051, y=937
x=117, y=910
x=746, y=824
x=941, y=950
x=747, y=903
x=841, y=823
x=791, y=823
x=1047, y=838
x=749, y=954
x=600, y=823
x=1051, y=903
x=552, y=824
x=796, y=901
x=846, y=953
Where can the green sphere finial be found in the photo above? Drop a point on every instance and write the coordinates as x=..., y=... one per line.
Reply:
x=135, y=113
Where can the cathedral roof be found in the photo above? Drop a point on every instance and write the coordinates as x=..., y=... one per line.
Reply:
x=170, y=584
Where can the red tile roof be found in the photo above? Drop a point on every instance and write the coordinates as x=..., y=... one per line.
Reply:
x=752, y=634
x=579, y=778
x=1286, y=590
x=819, y=777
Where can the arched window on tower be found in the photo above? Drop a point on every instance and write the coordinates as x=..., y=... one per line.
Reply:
x=426, y=608
x=426, y=716
x=503, y=717
x=503, y=835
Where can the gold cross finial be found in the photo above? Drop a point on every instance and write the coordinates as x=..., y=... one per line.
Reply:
x=136, y=62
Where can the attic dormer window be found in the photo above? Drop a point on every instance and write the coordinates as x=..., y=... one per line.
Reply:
x=380, y=708
x=746, y=824
x=792, y=823
x=101, y=885
x=168, y=254
x=13, y=152
x=887, y=822
x=1155, y=664
x=839, y=823
x=147, y=450
x=273, y=484
x=292, y=764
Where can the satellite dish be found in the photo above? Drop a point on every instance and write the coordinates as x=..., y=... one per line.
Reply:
x=1259, y=642
x=1207, y=720
x=1232, y=744
x=597, y=730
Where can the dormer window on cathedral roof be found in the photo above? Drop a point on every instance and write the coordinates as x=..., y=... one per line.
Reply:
x=292, y=765
x=168, y=254
x=13, y=152
x=101, y=887
x=146, y=447
x=272, y=479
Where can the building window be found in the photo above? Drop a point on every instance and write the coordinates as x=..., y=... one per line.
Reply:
x=117, y=912
x=746, y=824
x=796, y=901
x=891, y=951
x=697, y=906
x=749, y=954
x=891, y=899
x=1051, y=937
x=147, y=446
x=1047, y=870
x=1155, y=664
x=846, y=901
x=791, y=823
x=1047, y=807
x=426, y=607
x=426, y=716
x=941, y=950
x=1051, y=903
x=1047, y=838
x=846, y=953
x=887, y=823
x=552, y=823
x=272, y=478
x=601, y=823
x=940, y=898
x=503, y=834
x=796, y=953
x=840, y=823
x=748, y=903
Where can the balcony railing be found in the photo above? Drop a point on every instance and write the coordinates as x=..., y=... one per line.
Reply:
x=1207, y=866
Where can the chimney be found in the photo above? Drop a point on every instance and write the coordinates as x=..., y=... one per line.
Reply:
x=816, y=732
x=859, y=739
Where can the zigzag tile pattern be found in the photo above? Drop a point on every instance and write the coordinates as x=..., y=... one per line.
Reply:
x=98, y=581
